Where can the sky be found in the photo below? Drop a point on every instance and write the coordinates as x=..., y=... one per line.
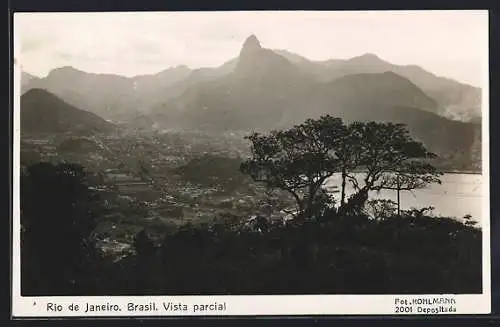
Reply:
x=446, y=43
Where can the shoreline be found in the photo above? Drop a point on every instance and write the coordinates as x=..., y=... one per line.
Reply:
x=454, y=172
x=458, y=172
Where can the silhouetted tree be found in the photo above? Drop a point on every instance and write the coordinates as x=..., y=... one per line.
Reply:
x=409, y=176
x=143, y=245
x=348, y=151
x=383, y=149
x=58, y=217
x=145, y=255
x=298, y=160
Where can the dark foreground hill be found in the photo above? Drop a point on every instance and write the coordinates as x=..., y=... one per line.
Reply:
x=43, y=112
x=330, y=253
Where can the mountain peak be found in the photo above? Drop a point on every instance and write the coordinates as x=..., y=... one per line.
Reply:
x=181, y=67
x=64, y=70
x=367, y=57
x=37, y=92
x=370, y=55
x=251, y=45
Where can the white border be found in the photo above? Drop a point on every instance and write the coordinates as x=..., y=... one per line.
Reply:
x=16, y=228
x=253, y=305
x=485, y=157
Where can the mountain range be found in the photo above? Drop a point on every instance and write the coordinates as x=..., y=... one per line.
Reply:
x=121, y=98
x=455, y=100
x=263, y=89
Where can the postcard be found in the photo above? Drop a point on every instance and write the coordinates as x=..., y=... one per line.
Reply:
x=251, y=163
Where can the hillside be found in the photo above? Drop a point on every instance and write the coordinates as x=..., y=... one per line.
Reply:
x=79, y=145
x=26, y=81
x=370, y=96
x=106, y=95
x=43, y=112
x=258, y=93
x=454, y=100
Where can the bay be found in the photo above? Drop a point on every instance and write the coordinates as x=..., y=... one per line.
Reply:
x=457, y=195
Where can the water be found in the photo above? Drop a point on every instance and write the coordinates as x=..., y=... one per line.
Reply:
x=457, y=196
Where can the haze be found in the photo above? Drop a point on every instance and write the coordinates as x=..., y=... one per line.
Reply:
x=447, y=43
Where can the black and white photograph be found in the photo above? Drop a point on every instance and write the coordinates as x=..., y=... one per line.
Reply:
x=251, y=153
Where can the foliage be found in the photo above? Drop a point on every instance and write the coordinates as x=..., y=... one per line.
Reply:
x=298, y=160
x=78, y=145
x=58, y=216
x=380, y=209
x=335, y=253
x=390, y=159
x=409, y=176
x=417, y=212
x=329, y=249
x=213, y=171
x=301, y=159
x=143, y=244
x=468, y=220
x=340, y=255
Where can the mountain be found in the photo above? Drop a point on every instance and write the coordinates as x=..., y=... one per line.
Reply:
x=117, y=97
x=43, y=112
x=266, y=91
x=369, y=96
x=455, y=100
x=292, y=57
x=26, y=80
x=107, y=95
x=178, y=87
x=146, y=89
x=110, y=96
x=262, y=86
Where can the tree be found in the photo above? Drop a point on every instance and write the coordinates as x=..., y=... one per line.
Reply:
x=380, y=209
x=58, y=217
x=409, y=176
x=349, y=152
x=145, y=255
x=389, y=158
x=301, y=159
x=298, y=160
x=143, y=245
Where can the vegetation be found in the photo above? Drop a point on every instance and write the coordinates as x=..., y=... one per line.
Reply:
x=330, y=246
x=340, y=255
x=78, y=145
x=213, y=171
x=301, y=159
x=57, y=222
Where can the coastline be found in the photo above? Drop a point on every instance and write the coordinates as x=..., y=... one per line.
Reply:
x=464, y=172
x=454, y=172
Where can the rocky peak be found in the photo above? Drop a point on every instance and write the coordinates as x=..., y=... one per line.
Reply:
x=250, y=48
x=256, y=61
